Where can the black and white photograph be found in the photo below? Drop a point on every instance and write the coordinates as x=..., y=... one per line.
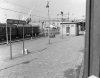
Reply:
x=49, y=39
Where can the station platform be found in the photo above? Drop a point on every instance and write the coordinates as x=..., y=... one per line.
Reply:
x=62, y=58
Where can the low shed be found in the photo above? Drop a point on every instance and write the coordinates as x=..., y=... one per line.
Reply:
x=69, y=28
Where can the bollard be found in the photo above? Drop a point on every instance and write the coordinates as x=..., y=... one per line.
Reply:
x=25, y=51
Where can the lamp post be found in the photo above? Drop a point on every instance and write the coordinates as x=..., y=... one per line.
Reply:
x=61, y=13
x=47, y=6
x=62, y=23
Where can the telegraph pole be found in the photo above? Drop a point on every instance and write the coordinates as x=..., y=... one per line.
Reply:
x=47, y=6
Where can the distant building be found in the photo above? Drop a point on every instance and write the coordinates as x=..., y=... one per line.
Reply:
x=69, y=28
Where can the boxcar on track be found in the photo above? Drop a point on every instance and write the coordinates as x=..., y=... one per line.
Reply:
x=3, y=32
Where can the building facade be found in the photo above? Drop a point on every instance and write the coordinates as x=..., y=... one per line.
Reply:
x=69, y=28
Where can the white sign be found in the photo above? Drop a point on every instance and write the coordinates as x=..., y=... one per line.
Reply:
x=92, y=76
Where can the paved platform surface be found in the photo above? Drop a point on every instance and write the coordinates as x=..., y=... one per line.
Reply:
x=61, y=59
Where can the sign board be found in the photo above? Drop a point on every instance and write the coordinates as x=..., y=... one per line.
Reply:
x=22, y=22
x=93, y=76
x=13, y=21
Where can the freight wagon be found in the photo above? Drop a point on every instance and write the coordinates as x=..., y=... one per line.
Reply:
x=3, y=29
x=17, y=31
x=29, y=30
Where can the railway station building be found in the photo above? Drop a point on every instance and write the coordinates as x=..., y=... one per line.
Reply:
x=69, y=28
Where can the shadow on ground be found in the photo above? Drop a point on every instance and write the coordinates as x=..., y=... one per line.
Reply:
x=82, y=50
x=72, y=73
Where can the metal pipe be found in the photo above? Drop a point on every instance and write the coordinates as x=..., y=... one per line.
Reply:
x=49, y=26
x=62, y=25
x=23, y=40
x=47, y=6
x=6, y=31
x=32, y=33
x=10, y=44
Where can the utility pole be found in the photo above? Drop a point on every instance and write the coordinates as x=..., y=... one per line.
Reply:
x=62, y=21
x=47, y=6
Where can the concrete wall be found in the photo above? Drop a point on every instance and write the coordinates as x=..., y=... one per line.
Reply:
x=73, y=29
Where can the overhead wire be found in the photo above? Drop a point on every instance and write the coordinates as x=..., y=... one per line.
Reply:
x=17, y=5
x=19, y=12
x=23, y=8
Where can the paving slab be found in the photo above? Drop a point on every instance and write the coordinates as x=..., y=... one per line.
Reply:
x=61, y=59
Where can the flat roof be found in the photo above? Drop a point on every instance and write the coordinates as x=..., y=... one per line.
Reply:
x=69, y=22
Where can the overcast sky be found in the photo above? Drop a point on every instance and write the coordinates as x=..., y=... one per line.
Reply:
x=76, y=8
